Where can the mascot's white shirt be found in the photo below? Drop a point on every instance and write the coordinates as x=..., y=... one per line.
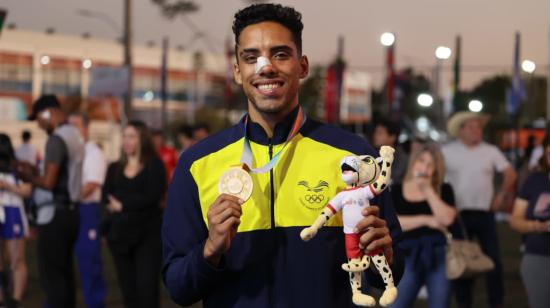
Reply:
x=352, y=202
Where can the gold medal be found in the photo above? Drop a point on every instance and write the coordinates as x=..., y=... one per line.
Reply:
x=236, y=182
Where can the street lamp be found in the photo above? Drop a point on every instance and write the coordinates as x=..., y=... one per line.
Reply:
x=45, y=60
x=425, y=100
x=387, y=39
x=87, y=64
x=127, y=39
x=475, y=105
x=441, y=53
x=528, y=66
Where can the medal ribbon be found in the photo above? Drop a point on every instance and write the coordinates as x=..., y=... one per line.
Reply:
x=247, y=157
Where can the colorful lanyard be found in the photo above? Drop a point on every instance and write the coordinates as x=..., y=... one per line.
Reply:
x=247, y=156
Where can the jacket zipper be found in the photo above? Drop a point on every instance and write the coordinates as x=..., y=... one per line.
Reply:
x=272, y=191
x=272, y=204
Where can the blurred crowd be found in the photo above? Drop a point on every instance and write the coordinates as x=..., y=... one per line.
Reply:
x=73, y=198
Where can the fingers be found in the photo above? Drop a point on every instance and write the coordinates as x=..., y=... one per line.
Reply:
x=371, y=220
x=223, y=202
x=228, y=212
x=375, y=238
x=371, y=210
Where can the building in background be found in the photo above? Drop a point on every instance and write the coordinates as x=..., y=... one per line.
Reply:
x=34, y=63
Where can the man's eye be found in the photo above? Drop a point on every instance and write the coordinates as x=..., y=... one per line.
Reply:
x=281, y=56
x=250, y=59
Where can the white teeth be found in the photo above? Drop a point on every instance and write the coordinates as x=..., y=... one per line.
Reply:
x=268, y=86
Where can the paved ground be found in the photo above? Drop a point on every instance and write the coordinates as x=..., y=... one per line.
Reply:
x=509, y=241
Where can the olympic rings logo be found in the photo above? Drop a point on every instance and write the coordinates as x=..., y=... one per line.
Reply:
x=314, y=198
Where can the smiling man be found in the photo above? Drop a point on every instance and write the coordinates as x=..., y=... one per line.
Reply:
x=243, y=248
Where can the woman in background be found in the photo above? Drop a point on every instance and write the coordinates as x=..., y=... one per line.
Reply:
x=531, y=217
x=132, y=193
x=425, y=208
x=13, y=221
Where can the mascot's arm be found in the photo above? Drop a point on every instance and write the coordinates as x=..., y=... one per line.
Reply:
x=310, y=232
x=383, y=180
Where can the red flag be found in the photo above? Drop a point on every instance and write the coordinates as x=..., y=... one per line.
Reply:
x=330, y=95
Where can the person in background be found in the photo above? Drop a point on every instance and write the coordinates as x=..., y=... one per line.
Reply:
x=471, y=164
x=201, y=131
x=59, y=186
x=425, y=208
x=26, y=152
x=185, y=137
x=531, y=217
x=13, y=226
x=88, y=243
x=166, y=153
x=386, y=132
x=132, y=192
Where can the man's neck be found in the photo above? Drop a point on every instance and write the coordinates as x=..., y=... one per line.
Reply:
x=268, y=120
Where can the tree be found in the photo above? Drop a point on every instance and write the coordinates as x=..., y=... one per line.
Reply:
x=310, y=91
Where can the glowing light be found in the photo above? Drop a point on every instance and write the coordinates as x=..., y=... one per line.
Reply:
x=148, y=96
x=528, y=66
x=443, y=53
x=475, y=105
x=44, y=60
x=387, y=39
x=425, y=100
x=87, y=64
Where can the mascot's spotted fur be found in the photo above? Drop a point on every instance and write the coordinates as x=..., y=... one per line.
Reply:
x=365, y=179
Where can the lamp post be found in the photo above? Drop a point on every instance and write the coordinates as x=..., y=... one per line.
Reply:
x=127, y=41
x=441, y=53
x=387, y=39
x=529, y=67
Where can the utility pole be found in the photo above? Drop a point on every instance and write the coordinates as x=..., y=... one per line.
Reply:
x=128, y=57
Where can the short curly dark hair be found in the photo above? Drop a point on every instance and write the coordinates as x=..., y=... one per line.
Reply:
x=256, y=13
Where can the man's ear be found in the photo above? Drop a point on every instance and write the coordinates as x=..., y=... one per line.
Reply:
x=304, y=66
x=237, y=74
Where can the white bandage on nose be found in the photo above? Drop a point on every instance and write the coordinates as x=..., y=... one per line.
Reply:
x=261, y=62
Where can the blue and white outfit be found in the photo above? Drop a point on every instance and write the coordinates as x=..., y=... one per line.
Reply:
x=88, y=242
x=13, y=220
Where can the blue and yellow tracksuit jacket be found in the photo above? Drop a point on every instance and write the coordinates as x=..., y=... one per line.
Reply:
x=268, y=265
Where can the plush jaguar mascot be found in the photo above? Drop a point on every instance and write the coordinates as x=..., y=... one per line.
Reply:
x=365, y=179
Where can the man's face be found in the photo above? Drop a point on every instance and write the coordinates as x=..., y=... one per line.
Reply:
x=382, y=137
x=274, y=89
x=471, y=131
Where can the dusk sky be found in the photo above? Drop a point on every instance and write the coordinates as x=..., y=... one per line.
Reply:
x=487, y=28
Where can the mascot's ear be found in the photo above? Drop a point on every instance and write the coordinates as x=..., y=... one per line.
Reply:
x=378, y=160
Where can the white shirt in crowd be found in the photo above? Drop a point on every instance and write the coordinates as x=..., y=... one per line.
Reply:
x=537, y=153
x=26, y=152
x=93, y=170
x=470, y=171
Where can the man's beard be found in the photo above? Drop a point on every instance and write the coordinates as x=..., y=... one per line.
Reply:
x=270, y=111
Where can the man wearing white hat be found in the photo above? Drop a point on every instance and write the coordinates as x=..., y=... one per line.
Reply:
x=471, y=164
